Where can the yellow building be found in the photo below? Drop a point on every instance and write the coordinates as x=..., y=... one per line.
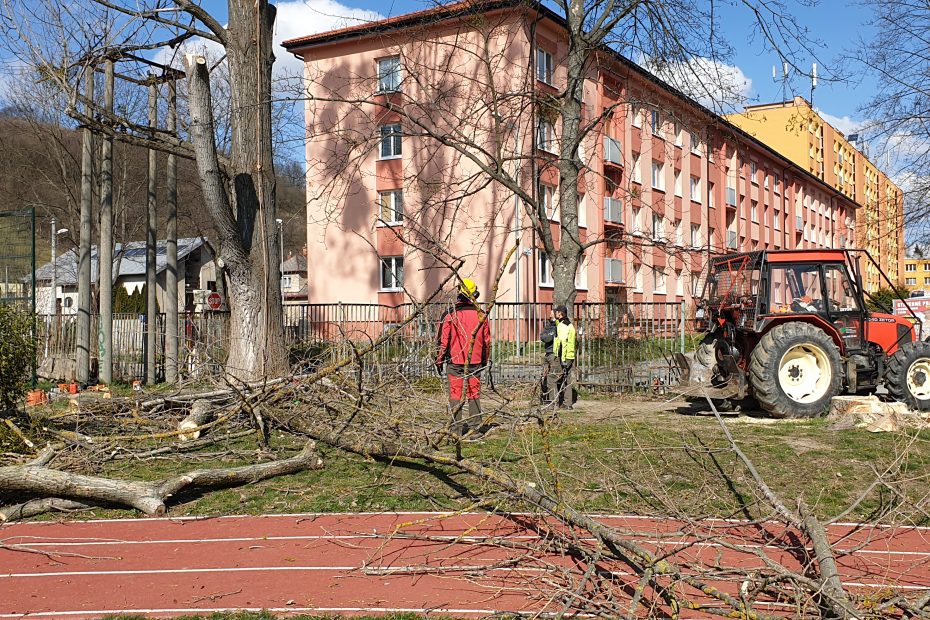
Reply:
x=796, y=130
x=916, y=275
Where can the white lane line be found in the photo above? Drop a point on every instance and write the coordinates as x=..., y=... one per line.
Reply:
x=439, y=539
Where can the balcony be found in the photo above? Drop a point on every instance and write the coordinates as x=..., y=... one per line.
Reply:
x=613, y=153
x=731, y=197
x=613, y=211
x=613, y=271
x=731, y=239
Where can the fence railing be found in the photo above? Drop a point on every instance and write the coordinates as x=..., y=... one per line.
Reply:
x=619, y=345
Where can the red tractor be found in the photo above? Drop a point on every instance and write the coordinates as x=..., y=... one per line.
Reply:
x=791, y=329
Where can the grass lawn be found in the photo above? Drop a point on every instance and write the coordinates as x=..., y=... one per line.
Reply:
x=611, y=455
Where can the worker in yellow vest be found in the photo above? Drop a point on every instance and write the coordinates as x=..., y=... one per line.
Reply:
x=564, y=350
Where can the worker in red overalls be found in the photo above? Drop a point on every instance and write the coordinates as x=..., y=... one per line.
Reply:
x=464, y=340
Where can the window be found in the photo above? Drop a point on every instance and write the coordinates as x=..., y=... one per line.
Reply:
x=777, y=220
x=754, y=212
x=910, y=267
x=753, y=169
x=695, y=192
x=679, y=233
x=658, y=230
x=389, y=74
x=910, y=281
x=392, y=273
x=390, y=141
x=658, y=178
x=392, y=207
x=765, y=180
x=543, y=66
x=695, y=144
x=547, y=201
x=637, y=117
x=582, y=211
x=637, y=222
x=926, y=266
x=926, y=281
x=658, y=280
x=678, y=135
x=678, y=183
x=710, y=195
x=635, y=175
x=655, y=122
x=776, y=182
x=545, y=136
x=679, y=283
x=545, y=269
x=696, y=236
x=638, y=278
x=287, y=282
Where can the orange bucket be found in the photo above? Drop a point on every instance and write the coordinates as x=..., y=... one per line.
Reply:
x=36, y=397
x=72, y=388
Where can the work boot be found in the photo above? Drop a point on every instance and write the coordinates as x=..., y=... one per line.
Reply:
x=459, y=426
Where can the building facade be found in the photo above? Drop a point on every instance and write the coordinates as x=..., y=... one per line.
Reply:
x=392, y=207
x=915, y=274
x=796, y=130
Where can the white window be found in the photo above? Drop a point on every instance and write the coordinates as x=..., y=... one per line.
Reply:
x=392, y=207
x=658, y=176
x=583, y=211
x=678, y=188
x=765, y=180
x=695, y=144
x=635, y=173
x=753, y=172
x=392, y=273
x=545, y=136
x=287, y=282
x=754, y=212
x=655, y=122
x=679, y=283
x=389, y=74
x=696, y=236
x=658, y=229
x=545, y=269
x=658, y=280
x=926, y=281
x=637, y=221
x=776, y=182
x=637, y=116
x=638, y=278
x=678, y=134
x=543, y=66
x=710, y=195
x=695, y=191
x=547, y=201
x=581, y=277
x=695, y=283
x=910, y=267
x=679, y=233
x=390, y=141
x=910, y=281
x=777, y=220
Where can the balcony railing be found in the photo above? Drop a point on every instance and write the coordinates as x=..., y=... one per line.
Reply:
x=613, y=210
x=613, y=153
x=613, y=271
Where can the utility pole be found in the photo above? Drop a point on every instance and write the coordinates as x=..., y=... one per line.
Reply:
x=171, y=235
x=53, y=303
x=82, y=355
x=151, y=310
x=105, y=249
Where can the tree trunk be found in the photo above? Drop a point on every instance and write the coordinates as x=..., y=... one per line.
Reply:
x=241, y=197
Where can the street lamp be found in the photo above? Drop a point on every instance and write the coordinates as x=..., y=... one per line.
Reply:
x=54, y=296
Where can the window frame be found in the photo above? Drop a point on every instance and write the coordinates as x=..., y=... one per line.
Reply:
x=393, y=139
x=396, y=71
x=658, y=175
x=544, y=267
x=548, y=144
x=391, y=263
x=397, y=196
x=546, y=74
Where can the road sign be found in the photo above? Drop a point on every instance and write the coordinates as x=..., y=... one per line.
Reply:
x=214, y=300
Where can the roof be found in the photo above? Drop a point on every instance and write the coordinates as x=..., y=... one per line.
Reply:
x=295, y=264
x=457, y=9
x=128, y=258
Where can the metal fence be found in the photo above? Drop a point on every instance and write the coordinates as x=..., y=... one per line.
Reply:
x=18, y=257
x=620, y=346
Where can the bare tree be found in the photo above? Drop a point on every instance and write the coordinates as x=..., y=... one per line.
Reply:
x=238, y=183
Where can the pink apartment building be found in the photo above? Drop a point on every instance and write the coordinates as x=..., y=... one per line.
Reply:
x=391, y=205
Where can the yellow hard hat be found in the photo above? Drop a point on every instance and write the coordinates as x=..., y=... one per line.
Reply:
x=468, y=288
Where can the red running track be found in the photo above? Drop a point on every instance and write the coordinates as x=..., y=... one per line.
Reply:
x=376, y=563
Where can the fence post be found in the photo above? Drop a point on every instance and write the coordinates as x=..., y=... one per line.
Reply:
x=682, y=324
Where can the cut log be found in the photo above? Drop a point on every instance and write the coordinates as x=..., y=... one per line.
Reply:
x=201, y=413
x=147, y=497
x=868, y=412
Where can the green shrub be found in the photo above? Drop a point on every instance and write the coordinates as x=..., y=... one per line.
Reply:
x=17, y=355
x=882, y=300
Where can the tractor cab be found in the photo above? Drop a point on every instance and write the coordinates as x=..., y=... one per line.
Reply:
x=755, y=302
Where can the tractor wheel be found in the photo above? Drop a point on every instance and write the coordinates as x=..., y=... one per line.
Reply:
x=907, y=377
x=794, y=371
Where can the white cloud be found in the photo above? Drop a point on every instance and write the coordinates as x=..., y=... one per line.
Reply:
x=844, y=123
x=716, y=85
x=301, y=18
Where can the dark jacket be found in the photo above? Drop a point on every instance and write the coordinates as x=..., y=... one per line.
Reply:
x=548, y=335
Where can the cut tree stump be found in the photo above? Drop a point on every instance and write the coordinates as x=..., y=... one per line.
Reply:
x=870, y=413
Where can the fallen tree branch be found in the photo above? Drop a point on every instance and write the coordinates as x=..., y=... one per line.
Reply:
x=148, y=497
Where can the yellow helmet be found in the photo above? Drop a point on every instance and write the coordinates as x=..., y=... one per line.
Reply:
x=468, y=288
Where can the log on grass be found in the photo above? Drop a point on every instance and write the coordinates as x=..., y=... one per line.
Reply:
x=147, y=497
x=201, y=413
